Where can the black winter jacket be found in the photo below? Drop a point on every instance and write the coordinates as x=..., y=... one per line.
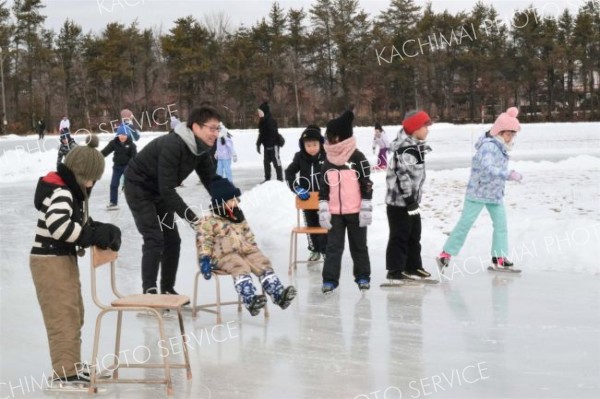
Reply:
x=165, y=162
x=268, y=133
x=124, y=152
x=309, y=168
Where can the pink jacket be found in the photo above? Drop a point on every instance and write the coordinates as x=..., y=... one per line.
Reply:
x=346, y=178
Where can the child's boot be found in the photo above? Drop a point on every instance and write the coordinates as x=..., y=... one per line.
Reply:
x=244, y=287
x=272, y=285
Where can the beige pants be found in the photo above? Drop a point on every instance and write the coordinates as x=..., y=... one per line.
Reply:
x=58, y=289
x=237, y=264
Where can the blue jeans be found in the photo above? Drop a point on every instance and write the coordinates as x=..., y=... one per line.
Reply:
x=469, y=214
x=114, y=183
x=224, y=169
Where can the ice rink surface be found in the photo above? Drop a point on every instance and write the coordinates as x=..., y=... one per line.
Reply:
x=477, y=334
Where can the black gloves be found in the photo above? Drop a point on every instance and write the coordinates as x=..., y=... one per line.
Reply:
x=413, y=209
x=103, y=235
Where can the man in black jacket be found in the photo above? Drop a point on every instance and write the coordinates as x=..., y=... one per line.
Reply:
x=124, y=149
x=268, y=136
x=150, y=181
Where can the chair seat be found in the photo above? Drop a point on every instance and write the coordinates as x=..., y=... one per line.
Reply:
x=152, y=301
x=310, y=230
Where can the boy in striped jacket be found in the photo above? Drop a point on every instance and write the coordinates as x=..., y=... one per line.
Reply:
x=61, y=198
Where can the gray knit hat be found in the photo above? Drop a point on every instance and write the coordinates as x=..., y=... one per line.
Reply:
x=85, y=161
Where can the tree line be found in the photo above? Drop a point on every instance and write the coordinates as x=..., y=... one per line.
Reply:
x=309, y=64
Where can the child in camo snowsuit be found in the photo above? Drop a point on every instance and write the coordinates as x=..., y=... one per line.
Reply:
x=225, y=242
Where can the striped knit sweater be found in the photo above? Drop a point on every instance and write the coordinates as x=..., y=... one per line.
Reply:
x=60, y=203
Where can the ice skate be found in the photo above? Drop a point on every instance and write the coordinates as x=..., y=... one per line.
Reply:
x=443, y=261
x=328, y=288
x=74, y=383
x=504, y=265
x=314, y=256
x=112, y=207
x=363, y=284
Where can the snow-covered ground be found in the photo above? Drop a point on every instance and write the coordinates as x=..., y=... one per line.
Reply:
x=537, y=334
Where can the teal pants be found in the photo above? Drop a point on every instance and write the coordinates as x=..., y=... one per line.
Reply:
x=469, y=214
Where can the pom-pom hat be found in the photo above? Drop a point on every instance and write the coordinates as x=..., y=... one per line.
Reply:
x=506, y=121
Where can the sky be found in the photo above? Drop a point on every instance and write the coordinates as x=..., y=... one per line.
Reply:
x=94, y=15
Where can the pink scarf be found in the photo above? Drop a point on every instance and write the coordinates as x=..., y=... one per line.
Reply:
x=338, y=154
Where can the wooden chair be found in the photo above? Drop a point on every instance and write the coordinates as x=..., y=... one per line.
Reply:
x=310, y=204
x=216, y=275
x=154, y=304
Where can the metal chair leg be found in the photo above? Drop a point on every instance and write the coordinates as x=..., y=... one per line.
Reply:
x=118, y=344
x=195, y=299
x=218, y=287
x=185, y=340
x=161, y=328
x=290, y=270
x=92, y=388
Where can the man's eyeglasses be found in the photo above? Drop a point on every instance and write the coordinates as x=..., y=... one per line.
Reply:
x=213, y=128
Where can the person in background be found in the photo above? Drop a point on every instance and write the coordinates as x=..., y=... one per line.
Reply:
x=41, y=128
x=173, y=123
x=380, y=140
x=307, y=164
x=124, y=150
x=64, y=124
x=225, y=153
x=66, y=144
x=268, y=137
x=127, y=125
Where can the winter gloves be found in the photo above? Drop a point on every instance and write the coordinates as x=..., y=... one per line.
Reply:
x=103, y=235
x=302, y=193
x=206, y=267
x=413, y=209
x=516, y=176
x=324, y=215
x=365, y=216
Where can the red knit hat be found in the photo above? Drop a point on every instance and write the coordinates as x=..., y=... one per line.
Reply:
x=414, y=120
x=506, y=121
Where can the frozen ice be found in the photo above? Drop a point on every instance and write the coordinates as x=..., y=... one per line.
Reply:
x=477, y=334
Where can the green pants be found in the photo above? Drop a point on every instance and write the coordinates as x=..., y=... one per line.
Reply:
x=469, y=214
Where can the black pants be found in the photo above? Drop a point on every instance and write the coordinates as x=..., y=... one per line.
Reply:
x=404, y=245
x=162, y=244
x=40, y=134
x=357, y=237
x=316, y=242
x=271, y=156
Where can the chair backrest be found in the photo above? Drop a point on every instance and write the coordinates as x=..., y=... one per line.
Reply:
x=310, y=204
x=101, y=257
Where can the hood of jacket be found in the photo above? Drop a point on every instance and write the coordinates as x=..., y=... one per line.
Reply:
x=403, y=140
x=63, y=177
x=195, y=145
x=487, y=138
